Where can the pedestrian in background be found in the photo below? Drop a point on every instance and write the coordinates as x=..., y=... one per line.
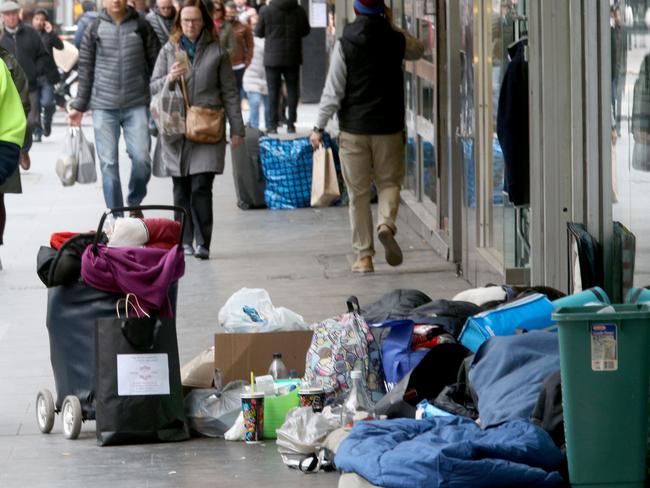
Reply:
x=87, y=18
x=242, y=55
x=283, y=23
x=117, y=56
x=50, y=75
x=365, y=83
x=25, y=44
x=244, y=11
x=255, y=82
x=210, y=82
x=223, y=28
x=161, y=19
x=13, y=183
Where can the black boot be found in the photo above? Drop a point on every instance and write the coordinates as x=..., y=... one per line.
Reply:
x=48, y=114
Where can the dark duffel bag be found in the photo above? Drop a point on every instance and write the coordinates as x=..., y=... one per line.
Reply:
x=139, y=396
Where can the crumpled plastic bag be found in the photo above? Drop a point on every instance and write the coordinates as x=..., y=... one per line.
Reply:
x=251, y=310
x=238, y=431
x=212, y=412
x=304, y=431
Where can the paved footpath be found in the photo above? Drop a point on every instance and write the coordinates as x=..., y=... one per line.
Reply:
x=301, y=257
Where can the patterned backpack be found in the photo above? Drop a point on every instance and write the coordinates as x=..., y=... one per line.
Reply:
x=340, y=345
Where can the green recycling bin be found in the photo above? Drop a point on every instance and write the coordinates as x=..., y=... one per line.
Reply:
x=605, y=376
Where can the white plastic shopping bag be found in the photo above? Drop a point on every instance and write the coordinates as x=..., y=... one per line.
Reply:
x=66, y=165
x=251, y=310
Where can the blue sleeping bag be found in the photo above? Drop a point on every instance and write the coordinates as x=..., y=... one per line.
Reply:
x=450, y=452
x=507, y=374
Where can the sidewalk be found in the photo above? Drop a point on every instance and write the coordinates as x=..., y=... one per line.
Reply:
x=301, y=257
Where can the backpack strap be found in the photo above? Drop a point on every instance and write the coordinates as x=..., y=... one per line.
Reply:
x=352, y=302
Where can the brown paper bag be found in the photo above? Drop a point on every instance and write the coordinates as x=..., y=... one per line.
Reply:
x=324, y=184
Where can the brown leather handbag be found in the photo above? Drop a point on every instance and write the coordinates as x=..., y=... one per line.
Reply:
x=203, y=124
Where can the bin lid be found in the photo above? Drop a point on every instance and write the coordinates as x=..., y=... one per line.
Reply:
x=621, y=312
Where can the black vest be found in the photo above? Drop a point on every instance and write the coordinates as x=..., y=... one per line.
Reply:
x=374, y=92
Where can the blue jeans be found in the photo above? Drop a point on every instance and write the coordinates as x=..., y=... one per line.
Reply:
x=135, y=123
x=46, y=94
x=256, y=99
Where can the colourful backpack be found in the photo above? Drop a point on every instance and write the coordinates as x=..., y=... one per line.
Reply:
x=340, y=345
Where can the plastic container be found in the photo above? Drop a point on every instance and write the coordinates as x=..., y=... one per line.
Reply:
x=638, y=295
x=278, y=369
x=605, y=374
x=276, y=409
x=358, y=405
x=591, y=295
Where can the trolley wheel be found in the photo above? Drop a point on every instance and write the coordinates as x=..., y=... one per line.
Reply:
x=72, y=416
x=45, y=411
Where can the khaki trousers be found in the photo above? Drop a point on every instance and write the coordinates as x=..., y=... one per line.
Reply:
x=364, y=159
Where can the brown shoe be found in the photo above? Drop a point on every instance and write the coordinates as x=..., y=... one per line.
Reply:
x=25, y=161
x=394, y=255
x=136, y=214
x=363, y=265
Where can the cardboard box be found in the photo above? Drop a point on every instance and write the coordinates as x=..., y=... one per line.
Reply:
x=236, y=355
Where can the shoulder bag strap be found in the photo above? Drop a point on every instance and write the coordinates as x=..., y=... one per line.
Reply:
x=184, y=91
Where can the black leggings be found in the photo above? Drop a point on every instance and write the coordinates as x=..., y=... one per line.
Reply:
x=194, y=194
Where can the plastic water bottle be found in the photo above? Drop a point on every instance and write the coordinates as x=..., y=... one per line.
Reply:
x=278, y=369
x=358, y=405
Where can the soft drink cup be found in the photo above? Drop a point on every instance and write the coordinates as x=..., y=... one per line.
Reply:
x=312, y=397
x=253, y=410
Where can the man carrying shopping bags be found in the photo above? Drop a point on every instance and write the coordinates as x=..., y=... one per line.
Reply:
x=116, y=59
x=365, y=84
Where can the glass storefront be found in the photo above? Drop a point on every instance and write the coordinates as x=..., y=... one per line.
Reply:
x=630, y=113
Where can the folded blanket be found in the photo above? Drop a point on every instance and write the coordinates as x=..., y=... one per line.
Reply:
x=451, y=452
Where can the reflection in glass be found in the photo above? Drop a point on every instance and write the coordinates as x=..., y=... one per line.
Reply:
x=427, y=34
x=411, y=162
x=630, y=114
x=429, y=170
x=427, y=100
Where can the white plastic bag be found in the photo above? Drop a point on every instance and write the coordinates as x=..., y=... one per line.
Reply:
x=251, y=310
x=238, y=431
x=66, y=165
x=168, y=111
x=211, y=412
x=303, y=432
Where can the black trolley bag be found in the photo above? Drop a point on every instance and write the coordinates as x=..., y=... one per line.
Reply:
x=139, y=396
x=72, y=311
x=247, y=172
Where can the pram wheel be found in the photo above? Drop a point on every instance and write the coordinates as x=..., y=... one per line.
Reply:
x=72, y=416
x=45, y=411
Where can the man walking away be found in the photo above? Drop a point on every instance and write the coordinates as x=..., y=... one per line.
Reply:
x=25, y=44
x=87, y=18
x=50, y=75
x=161, y=19
x=242, y=55
x=365, y=83
x=283, y=24
x=117, y=57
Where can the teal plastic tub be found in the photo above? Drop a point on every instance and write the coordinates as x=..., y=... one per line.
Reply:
x=605, y=376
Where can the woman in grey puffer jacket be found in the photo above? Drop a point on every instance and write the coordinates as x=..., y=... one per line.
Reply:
x=210, y=83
